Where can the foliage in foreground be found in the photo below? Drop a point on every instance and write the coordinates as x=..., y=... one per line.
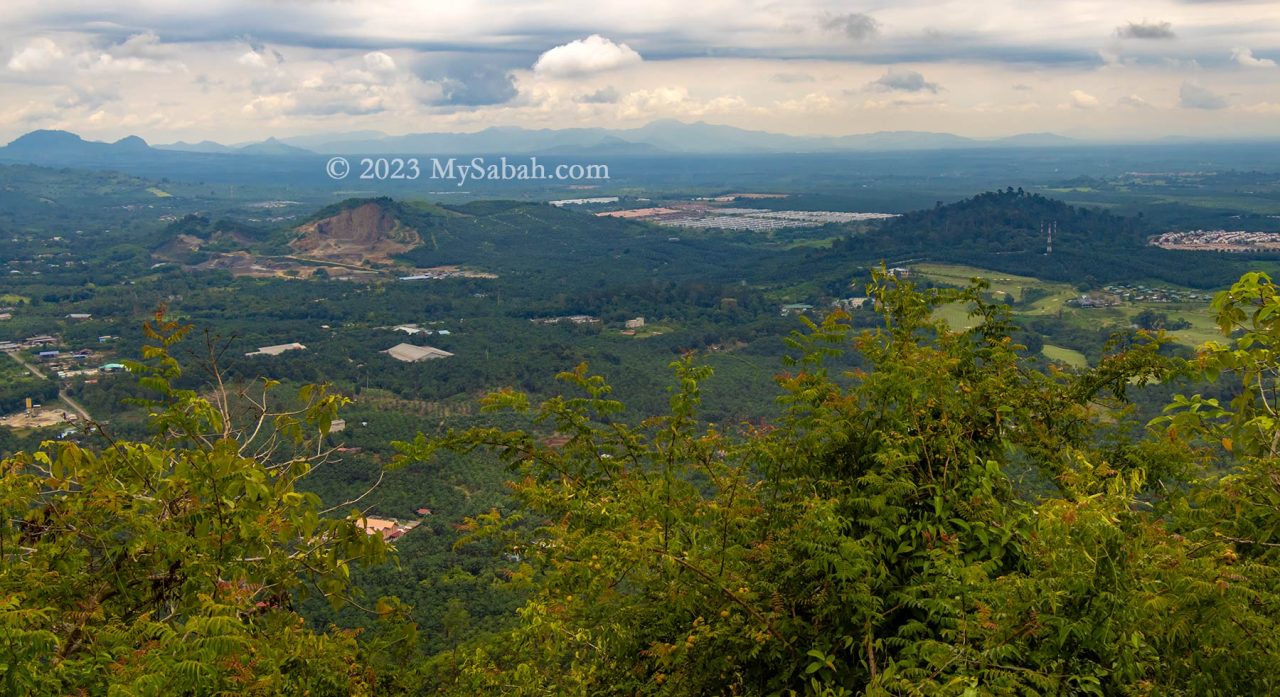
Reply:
x=879, y=539
x=170, y=566
x=874, y=542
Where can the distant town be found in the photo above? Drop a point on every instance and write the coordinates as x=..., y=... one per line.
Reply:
x=1219, y=241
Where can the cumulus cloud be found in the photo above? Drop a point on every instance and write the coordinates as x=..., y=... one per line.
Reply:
x=855, y=25
x=1082, y=100
x=903, y=80
x=1193, y=95
x=1245, y=57
x=37, y=55
x=593, y=54
x=379, y=63
x=1146, y=30
x=604, y=95
x=647, y=103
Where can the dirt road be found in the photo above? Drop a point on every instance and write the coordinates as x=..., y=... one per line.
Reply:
x=62, y=394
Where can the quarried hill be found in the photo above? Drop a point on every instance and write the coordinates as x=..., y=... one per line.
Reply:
x=369, y=231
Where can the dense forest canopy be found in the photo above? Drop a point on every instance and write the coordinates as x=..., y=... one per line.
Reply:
x=1009, y=230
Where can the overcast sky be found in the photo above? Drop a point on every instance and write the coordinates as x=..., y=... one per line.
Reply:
x=239, y=70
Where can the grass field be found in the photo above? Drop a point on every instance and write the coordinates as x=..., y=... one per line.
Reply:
x=1002, y=283
x=159, y=193
x=1059, y=354
x=1054, y=303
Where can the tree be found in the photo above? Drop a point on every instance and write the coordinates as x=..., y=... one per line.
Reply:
x=874, y=541
x=170, y=566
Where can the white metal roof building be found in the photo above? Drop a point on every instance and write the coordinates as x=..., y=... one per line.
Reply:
x=412, y=354
x=277, y=349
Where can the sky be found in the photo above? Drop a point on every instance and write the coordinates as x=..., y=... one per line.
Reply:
x=244, y=70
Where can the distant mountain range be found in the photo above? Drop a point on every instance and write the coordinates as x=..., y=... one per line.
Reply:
x=659, y=137
x=663, y=136
x=270, y=146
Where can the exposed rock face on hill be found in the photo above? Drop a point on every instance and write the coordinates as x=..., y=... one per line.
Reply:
x=368, y=232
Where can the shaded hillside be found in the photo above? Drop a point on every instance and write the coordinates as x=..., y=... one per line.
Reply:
x=1008, y=231
x=564, y=246
x=192, y=238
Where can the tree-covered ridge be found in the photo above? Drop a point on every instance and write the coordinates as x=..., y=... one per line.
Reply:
x=1017, y=221
x=1009, y=230
x=946, y=520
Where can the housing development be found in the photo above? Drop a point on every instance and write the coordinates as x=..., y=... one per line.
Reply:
x=1219, y=241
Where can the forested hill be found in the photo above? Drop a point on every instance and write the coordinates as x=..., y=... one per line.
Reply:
x=1014, y=221
x=1008, y=231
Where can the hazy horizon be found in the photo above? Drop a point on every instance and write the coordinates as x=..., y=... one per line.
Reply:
x=237, y=71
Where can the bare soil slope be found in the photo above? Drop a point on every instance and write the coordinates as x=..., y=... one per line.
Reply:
x=365, y=233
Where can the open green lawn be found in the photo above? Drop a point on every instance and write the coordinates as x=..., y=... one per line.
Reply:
x=1203, y=328
x=1059, y=354
x=1002, y=283
x=956, y=315
x=1199, y=315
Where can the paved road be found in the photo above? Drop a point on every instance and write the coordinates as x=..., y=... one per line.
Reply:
x=62, y=394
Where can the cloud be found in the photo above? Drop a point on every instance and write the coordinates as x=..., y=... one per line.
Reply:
x=138, y=53
x=345, y=101
x=791, y=78
x=1022, y=87
x=903, y=80
x=379, y=63
x=38, y=55
x=604, y=95
x=1245, y=57
x=1146, y=30
x=676, y=102
x=855, y=25
x=808, y=104
x=593, y=54
x=1133, y=101
x=647, y=103
x=1083, y=100
x=477, y=85
x=87, y=97
x=259, y=56
x=1192, y=95
x=897, y=100
x=252, y=59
